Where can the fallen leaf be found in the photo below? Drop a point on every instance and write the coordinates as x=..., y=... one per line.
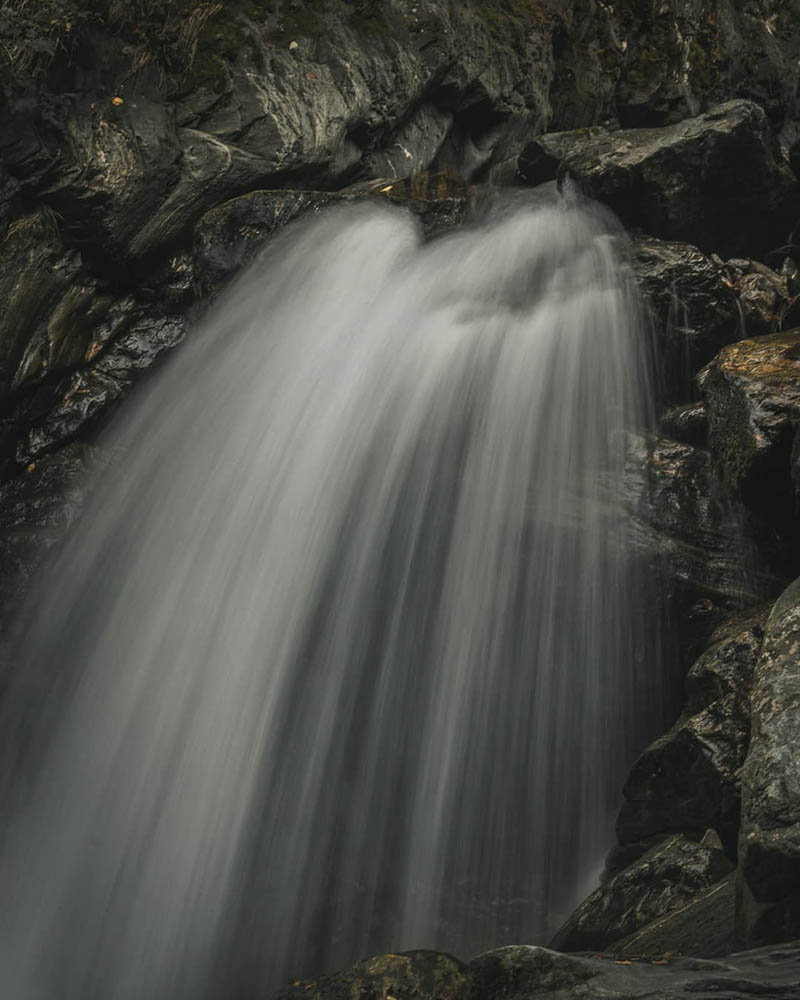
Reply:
x=116, y=101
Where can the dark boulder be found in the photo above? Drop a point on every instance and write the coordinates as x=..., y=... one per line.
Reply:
x=51, y=304
x=693, y=306
x=229, y=236
x=687, y=423
x=702, y=926
x=75, y=405
x=688, y=780
x=112, y=167
x=415, y=975
x=717, y=181
x=769, y=843
x=523, y=972
x=696, y=537
x=653, y=886
x=681, y=57
x=753, y=393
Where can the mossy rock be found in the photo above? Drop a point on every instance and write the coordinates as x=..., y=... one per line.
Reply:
x=415, y=975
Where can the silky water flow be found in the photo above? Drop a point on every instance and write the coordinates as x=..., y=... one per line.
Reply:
x=348, y=652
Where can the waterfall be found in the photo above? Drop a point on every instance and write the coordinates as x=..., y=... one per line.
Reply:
x=347, y=653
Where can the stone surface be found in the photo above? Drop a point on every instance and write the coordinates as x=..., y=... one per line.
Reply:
x=703, y=926
x=81, y=400
x=524, y=972
x=769, y=843
x=229, y=236
x=653, y=886
x=415, y=975
x=696, y=537
x=687, y=423
x=694, y=308
x=50, y=303
x=717, y=181
x=753, y=393
x=688, y=779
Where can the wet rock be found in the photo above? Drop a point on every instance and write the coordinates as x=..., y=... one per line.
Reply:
x=112, y=168
x=653, y=886
x=769, y=844
x=716, y=181
x=753, y=393
x=733, y=49
x=522, y=972
x=229, y=236
x=697, y=538
x=687, y=424
x=693, y=305
x=688, y=779
x=622, y=856
x=761, y=298
x=211, y=172
x=702, y=926
x=50, y=303
x=415, y=975
x=369, y=88
x=413, y=146
x=79, y=402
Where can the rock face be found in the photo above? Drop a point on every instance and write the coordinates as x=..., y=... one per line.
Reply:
x=229, y=236
x=655, y=885
x=521, y=973
x=688, y=779
x=415, y=975
x=717, y=180
x=693, y=305
x=753, y=397
x=695, y=537
x=753, y=392
x=769, y=844
x=703, y=926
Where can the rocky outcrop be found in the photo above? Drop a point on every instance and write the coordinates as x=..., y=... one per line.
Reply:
x=229, y=236
x=522, y=972
x=686, y=423
x=688, y=780
x=769, y=843
x=652, y=887
x=753, y=398
x=695, y=537
x=753, y=393
x=693, y=306
x=414, y=975
x=702, y=926
x=717, y=181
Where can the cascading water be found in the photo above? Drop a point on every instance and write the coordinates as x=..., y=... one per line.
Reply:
x=345, y=655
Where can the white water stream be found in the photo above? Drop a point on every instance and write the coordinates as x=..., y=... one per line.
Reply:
x=347, y=642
